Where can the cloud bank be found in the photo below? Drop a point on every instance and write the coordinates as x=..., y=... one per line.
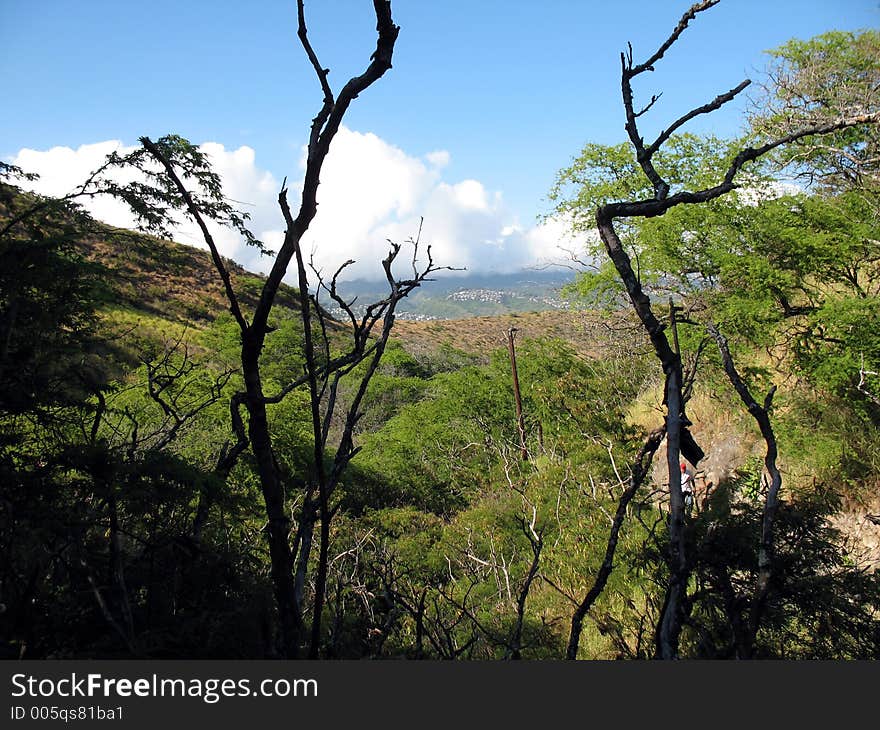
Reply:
x=371, y=191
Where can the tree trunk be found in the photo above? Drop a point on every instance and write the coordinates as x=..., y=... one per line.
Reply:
x=273, y=496
x=669, y=628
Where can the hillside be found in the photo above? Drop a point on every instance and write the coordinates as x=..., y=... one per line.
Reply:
x=170, y=280
x=694, y=476
x=159, y=279
x=155, y=290
x=439, y=520
x=155, y=280
x=481, y=335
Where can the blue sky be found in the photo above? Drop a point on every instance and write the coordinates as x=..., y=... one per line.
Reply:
x=503, y=92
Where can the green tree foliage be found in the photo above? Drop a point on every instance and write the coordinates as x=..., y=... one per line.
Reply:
x=104, y=466
x=821, y=605
x=825, y=79
x=48, y=297
x=789, y=276
x=121, y=516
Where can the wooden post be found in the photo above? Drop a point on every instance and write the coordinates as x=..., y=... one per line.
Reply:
x=519, y=414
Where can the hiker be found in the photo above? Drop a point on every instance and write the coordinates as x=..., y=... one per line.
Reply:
x=687, y=488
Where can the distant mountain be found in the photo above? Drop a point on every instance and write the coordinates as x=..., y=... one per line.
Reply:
x=474, y=295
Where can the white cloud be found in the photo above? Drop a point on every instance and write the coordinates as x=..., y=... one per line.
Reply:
x=370, y=191
x=62, y=170
x=767, y=191
x=438, y=158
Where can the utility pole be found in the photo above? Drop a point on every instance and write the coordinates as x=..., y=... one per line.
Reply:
x=519, y=414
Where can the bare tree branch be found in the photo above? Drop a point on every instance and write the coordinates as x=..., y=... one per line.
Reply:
x=638, y=472
x=771, y=502
x=862, y=386
x=683, y=23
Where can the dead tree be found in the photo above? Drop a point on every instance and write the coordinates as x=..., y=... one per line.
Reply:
x=535, y=535
x=324, y=380
x=678, y=438
x=322, y=375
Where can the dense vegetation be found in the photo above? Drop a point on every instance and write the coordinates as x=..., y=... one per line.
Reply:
x=133, y=522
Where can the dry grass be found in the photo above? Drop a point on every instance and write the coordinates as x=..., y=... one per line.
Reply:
x=482, y=335
x=164, y=278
